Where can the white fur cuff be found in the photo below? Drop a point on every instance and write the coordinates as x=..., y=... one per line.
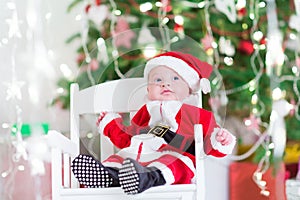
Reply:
x=106, y=119
x=226, y=149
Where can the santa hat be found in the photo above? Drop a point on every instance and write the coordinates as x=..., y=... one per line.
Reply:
x=194, y=71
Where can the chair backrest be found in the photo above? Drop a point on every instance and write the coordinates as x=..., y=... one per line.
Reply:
x=121, y=96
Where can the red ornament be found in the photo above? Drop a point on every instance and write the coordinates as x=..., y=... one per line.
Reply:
x=166, y=5
x=178, y=28
x=207, y=42
x=242, y=12
x=263, y=41
x=87, y=8
x=80, y=58
x=123, y=34
x=94, y=65
x=293, y=110
x=97, y=2
x=252, y=122
x=246, y=47
x=169, y=8
x=298, y=63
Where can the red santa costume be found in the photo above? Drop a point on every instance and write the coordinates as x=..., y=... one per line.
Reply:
x=168, y=145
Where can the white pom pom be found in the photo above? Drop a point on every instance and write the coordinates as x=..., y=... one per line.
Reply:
x=205, y=85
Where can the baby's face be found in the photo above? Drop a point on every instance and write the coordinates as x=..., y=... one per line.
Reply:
x=166, y=84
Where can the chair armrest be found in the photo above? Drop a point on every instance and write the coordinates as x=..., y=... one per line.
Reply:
x=58, y=140
x=198, y=129
x=200, y=155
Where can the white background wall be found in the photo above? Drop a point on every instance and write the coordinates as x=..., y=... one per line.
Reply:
x=38, y=55
x=39, y=79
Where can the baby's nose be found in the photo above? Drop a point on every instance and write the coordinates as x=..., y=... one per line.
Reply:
x=165, y=84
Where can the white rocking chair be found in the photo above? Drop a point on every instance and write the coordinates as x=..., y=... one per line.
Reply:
x=125, y=95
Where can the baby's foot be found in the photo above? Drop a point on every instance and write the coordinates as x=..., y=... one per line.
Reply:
x=91, y=172
x=129, y=178
x=135, y=178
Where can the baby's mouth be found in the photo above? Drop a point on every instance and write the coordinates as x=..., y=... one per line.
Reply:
x=166, y=91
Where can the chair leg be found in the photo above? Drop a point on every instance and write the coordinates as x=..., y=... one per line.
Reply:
x=91, y=173
x=135, y=178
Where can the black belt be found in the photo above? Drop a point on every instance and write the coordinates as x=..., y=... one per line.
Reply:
x=170, y=137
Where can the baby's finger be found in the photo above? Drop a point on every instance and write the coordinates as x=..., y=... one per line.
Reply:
x=225, y=142
x=219, y=138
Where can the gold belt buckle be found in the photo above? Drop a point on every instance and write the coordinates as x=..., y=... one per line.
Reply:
x=159, y=130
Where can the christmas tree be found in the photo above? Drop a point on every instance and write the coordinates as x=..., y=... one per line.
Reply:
x=253, y=46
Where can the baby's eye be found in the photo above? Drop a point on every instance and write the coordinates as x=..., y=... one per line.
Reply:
x=157, y=80
x=175, y=78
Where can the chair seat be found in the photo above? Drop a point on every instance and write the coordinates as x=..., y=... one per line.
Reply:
x=174, y=192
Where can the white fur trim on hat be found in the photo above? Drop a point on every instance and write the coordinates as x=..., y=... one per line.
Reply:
x=182, y=68
x=205, y=85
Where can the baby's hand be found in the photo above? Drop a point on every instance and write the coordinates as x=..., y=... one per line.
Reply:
x=224, y=137
x=101, y=116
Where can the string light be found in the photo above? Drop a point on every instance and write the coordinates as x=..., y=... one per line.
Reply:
x=179, y=20
x=214, y=57
x=48, y=15
x=60, y=90
x=228, y=60
x=277, y=94
x=240, y=4
x=163, y=29
x=149, y=51
x=271, y=146
x=13, y=92
x=115, y=53
x=144, y=7
x=262, y=4
x=89, y=135
x=4, y=174
x=248, y=122
x=102, y=51
x=67, y=72
x=21, y=167
x=5, y=125
x=257, y=35
x=244, y=26
x=201, y=4
x=295, y=69
x=117, y=12
x=165, y=20
x=254, y=99
x=78, y=17
x=84, y=36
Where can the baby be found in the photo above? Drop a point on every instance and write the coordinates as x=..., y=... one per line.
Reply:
x=158, y=147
